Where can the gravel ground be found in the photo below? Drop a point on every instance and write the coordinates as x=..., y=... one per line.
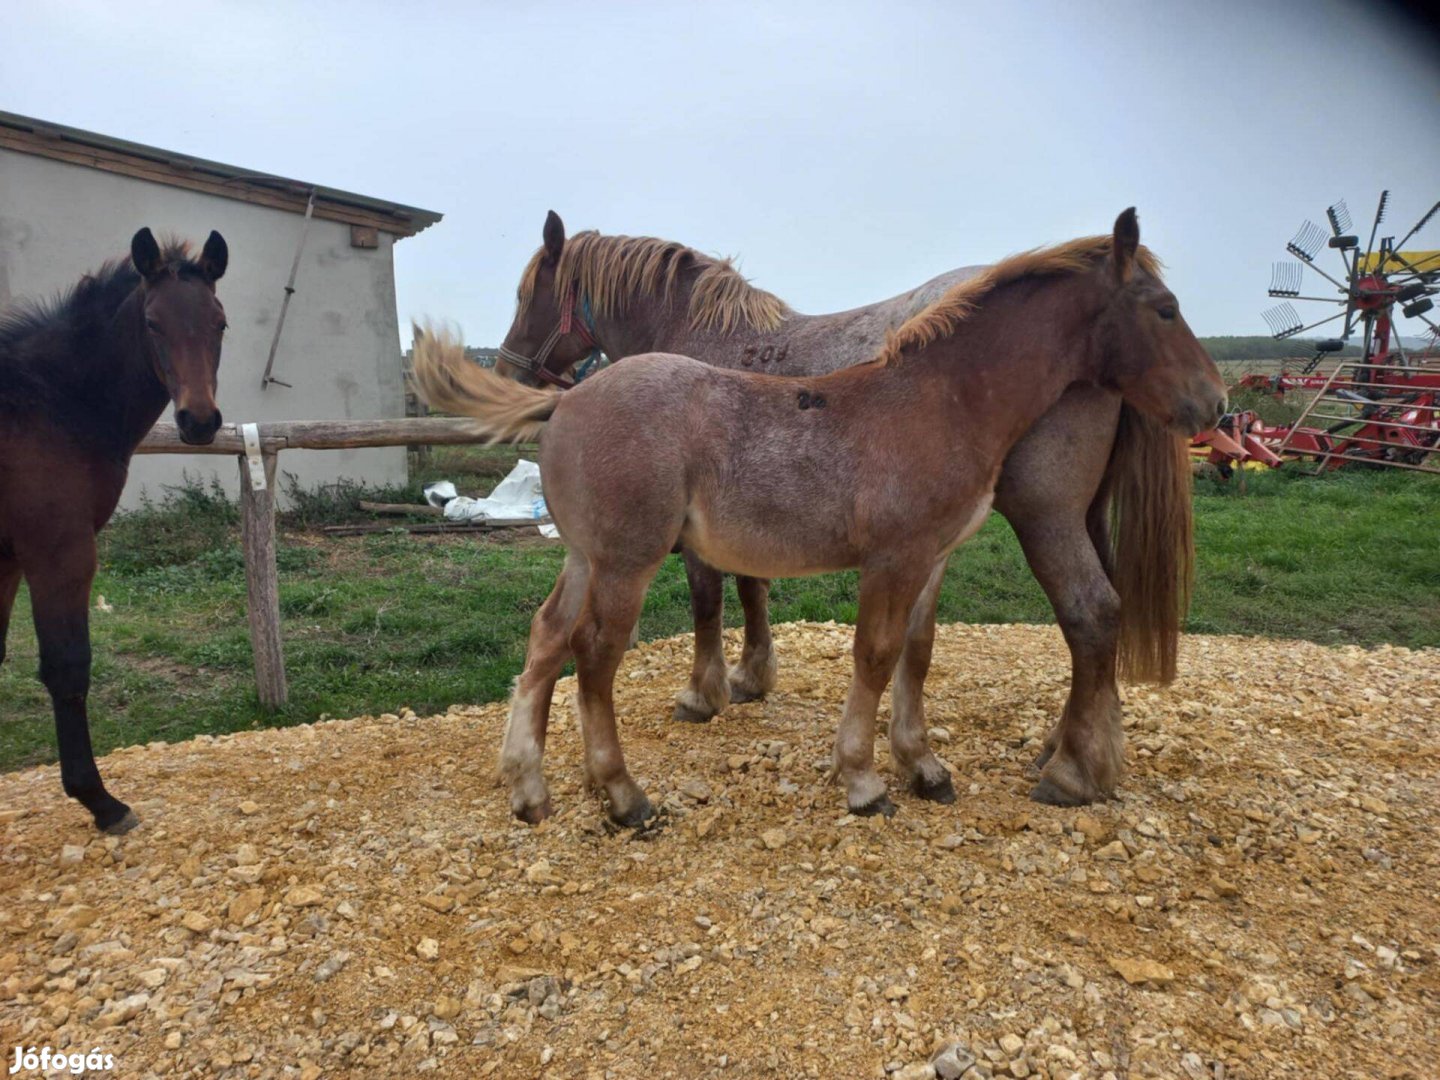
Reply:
x=352, y=897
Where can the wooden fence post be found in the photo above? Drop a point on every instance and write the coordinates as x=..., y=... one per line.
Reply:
x=262, y=582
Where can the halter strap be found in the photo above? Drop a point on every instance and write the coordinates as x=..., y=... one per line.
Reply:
x=583, y=329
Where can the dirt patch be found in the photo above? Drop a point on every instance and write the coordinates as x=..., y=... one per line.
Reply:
x=166, y=667
x=348, y=555
x=352, y=896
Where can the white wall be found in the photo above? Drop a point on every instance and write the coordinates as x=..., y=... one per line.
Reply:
x=341, y=344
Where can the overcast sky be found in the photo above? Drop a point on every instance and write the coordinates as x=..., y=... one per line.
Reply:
x=843, y=151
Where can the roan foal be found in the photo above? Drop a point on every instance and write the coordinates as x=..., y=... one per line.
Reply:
x=886, y=466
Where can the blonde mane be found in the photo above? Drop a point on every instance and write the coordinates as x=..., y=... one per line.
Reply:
x=610, y=271
x=943, y=316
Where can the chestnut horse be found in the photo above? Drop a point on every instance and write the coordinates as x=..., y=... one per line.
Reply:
x=1088, y=456
x=886, y=466
x=81, y=382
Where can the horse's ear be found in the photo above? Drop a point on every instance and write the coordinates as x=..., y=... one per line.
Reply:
x=1127, y=242
x=145, y=254
x=554, y=236
x=215, y=257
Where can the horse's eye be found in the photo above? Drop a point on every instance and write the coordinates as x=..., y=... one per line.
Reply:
x=152, y=325
x=1167, y=312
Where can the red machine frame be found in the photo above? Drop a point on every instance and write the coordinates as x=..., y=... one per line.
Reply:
x=1387, y=401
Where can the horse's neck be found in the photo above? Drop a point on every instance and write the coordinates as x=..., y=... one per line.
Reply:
x=137, y=395
x=1010, y=361
x=648, y=324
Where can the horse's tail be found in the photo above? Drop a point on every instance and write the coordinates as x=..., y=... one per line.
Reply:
x=504, y=410
x=1152, y=556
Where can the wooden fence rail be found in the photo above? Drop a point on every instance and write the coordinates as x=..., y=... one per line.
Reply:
x=164, y=438
x=257, y=505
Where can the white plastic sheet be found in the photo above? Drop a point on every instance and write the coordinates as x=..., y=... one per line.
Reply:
x=518, y=496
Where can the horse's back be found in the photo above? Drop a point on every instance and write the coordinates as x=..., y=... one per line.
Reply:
x=819, y=344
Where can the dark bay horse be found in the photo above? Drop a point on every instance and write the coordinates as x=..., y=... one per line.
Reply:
x=1088, y=459
x=82, y=380
x=885, y=466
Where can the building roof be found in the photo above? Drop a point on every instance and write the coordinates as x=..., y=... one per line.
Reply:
x=61, y=143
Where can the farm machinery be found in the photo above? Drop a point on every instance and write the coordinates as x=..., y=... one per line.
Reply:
x=1377, y=407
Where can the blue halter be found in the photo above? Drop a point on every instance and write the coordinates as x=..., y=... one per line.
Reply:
x=586, y=366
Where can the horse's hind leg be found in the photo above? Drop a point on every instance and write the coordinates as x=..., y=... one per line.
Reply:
x=523, y=751
x=909, y=746
x=614, y=600
x=60, y=598
x=708, y=691
x=754, y=676
x=887, y=597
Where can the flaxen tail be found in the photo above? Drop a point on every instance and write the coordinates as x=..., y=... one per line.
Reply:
x=503, y=409
x=1153, y=551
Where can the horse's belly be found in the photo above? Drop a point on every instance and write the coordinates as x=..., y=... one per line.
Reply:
x=740, y=547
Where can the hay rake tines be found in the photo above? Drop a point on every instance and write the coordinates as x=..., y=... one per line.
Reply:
x=1339, y=216
x=1424, y=220
x=1285, y=278
x=1307, y=243
x=1375, y=227
x=1283, y=320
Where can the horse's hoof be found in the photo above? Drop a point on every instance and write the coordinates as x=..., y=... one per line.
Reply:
x=741, y=694
x=634, y=817
x=939, y=791
x=1048, y=793
x=686, y=715
x=533, y=815
x=127, y=821
x=881, y=804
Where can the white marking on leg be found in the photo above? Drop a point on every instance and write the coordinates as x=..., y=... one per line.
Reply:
x=855, y=751
x=520, y=756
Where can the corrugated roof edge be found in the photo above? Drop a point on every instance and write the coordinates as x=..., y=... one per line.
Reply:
x=46, y=139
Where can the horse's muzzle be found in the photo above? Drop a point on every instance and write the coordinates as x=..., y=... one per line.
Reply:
x=197, y=430
x=1201, y=415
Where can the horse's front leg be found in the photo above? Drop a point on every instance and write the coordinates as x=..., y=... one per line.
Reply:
x=708, y=691
x=754, y=676
x=9, y=585
x=1084, y=754
x=60, y=597
x=909, y=743
x=887, y=596
x=1049, y=491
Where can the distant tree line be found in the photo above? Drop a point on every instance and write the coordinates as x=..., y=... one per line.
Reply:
x=1259, y=347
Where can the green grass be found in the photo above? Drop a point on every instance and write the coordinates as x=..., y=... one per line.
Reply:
x=376, y=622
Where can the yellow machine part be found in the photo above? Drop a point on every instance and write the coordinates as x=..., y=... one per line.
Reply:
x=1420, y=260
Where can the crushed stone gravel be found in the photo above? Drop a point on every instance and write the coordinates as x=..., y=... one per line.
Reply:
x=352, y=898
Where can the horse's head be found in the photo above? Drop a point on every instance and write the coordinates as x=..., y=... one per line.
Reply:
x=1147, y=352
x=548, y=336
x=184, y=323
